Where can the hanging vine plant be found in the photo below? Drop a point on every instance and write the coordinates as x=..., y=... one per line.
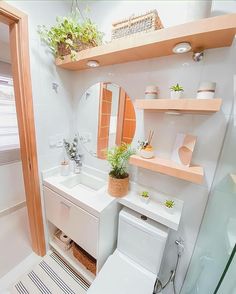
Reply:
x=71, y=34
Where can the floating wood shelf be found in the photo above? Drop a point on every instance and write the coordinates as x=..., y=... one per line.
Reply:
x=198, y=106
x=193, y=174
x=206, y=33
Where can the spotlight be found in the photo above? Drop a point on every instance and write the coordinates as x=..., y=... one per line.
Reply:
x=93, y=63
x=182, y=48
x=198, y=56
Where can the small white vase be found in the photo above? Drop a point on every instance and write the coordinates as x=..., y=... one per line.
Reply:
x=145, y=199
x=146, y=154
x=169, y=210
x=176, y=94
x=198, y=9
x=151, y=92
x=206, y=90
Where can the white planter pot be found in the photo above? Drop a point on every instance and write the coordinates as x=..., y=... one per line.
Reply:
x=169, y=210
x=176, y=94
x=144, y=199
x=206, y=90
x=146, y=154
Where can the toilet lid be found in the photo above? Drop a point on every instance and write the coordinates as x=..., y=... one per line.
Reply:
x=120, y=275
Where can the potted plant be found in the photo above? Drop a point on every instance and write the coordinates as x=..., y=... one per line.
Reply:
x=169, y=205
x=144, y=196
x=70, y=35
x=145, y=148
x=118, y=157
x=176, y=91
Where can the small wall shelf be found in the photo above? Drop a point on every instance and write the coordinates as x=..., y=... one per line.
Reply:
x=195, y=106
x=213, y=32
x=192, y=174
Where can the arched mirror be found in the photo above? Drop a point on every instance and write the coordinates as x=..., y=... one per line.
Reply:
x=105, y=118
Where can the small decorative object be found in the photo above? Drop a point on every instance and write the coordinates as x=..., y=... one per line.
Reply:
x=70, y=35
x=72, y=153
x=169, y=206
x=145, y=197
x=183, y=149
x=198, y=9
x=63, y=241
x=65, y=168
x=151, y=92
x=145, y=148
x=147, y=22
x=176, y=91
x=118, y=157
x=206, y=90
x=83, y=257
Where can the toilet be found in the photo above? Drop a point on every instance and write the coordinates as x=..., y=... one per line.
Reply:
x=134, y=265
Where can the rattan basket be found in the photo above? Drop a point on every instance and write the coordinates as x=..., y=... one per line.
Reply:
x=118, y=187
x=64, y=50
x=83, y=257
x=150, y=21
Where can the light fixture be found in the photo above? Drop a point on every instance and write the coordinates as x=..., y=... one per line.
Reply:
x=182, y=48
x=93, y=63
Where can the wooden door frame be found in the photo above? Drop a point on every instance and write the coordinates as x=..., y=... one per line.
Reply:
x=19, y=44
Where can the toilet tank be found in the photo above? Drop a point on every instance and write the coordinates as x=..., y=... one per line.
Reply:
x=143, y=241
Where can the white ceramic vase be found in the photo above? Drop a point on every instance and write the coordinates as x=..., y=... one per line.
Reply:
x=206, y=90
x=176, y=94
x=146, y=154
x=198, y=9
x=151, y=92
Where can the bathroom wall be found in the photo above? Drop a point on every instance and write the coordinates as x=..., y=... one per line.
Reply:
x=218, y=65
x=53, y=111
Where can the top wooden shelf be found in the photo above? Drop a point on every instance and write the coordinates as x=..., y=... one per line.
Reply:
x=206, y=33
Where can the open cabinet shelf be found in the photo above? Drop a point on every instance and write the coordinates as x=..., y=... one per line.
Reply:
x=192, y=174
x=73, y=262
x=205, y=33
x=194, y=106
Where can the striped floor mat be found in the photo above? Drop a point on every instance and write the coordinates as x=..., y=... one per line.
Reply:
x=51, y=276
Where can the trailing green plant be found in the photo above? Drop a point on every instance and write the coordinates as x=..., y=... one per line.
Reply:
x=145, y=194
x=70, y=34
x=118, y=158
x=177, y=88
x=169, y=203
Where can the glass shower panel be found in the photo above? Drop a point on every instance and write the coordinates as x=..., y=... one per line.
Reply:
x=227, y=284
x=217, y=235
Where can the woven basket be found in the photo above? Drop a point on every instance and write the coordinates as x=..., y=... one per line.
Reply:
x=147, y=22
x=83, y=257
x=118, y=187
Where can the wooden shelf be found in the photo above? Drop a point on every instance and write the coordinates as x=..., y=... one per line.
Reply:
x=206, y=33
x=193, y=174
x=198, y=106
x=73, y=262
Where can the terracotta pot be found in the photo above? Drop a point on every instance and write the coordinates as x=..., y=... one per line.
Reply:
x=118, y=187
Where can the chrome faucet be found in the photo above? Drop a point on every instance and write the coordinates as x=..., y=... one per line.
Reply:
x=78, y=164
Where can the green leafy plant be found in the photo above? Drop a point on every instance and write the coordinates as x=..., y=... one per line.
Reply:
x=177, y=88
x=169, y=203
x=70, y=35
x=145, y=194
x=118, y=158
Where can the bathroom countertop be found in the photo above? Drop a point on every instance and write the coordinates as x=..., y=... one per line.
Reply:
x=154, y=209
x=95, y=202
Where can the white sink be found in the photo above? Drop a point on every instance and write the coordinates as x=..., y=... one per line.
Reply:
x=85, y=181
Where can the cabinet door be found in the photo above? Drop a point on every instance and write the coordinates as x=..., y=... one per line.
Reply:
x=79, y=225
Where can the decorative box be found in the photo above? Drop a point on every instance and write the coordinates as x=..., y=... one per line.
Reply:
x=147, y=22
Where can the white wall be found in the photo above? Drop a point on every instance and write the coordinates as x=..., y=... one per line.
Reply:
x=53, y=111
x=133, y=77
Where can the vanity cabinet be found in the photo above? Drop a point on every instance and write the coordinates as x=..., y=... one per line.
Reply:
x=96, y=235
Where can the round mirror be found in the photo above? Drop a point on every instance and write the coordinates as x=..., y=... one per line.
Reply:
x=105, y=118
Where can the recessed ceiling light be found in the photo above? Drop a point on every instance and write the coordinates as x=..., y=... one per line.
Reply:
x=182, y=48
x=93, y=63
